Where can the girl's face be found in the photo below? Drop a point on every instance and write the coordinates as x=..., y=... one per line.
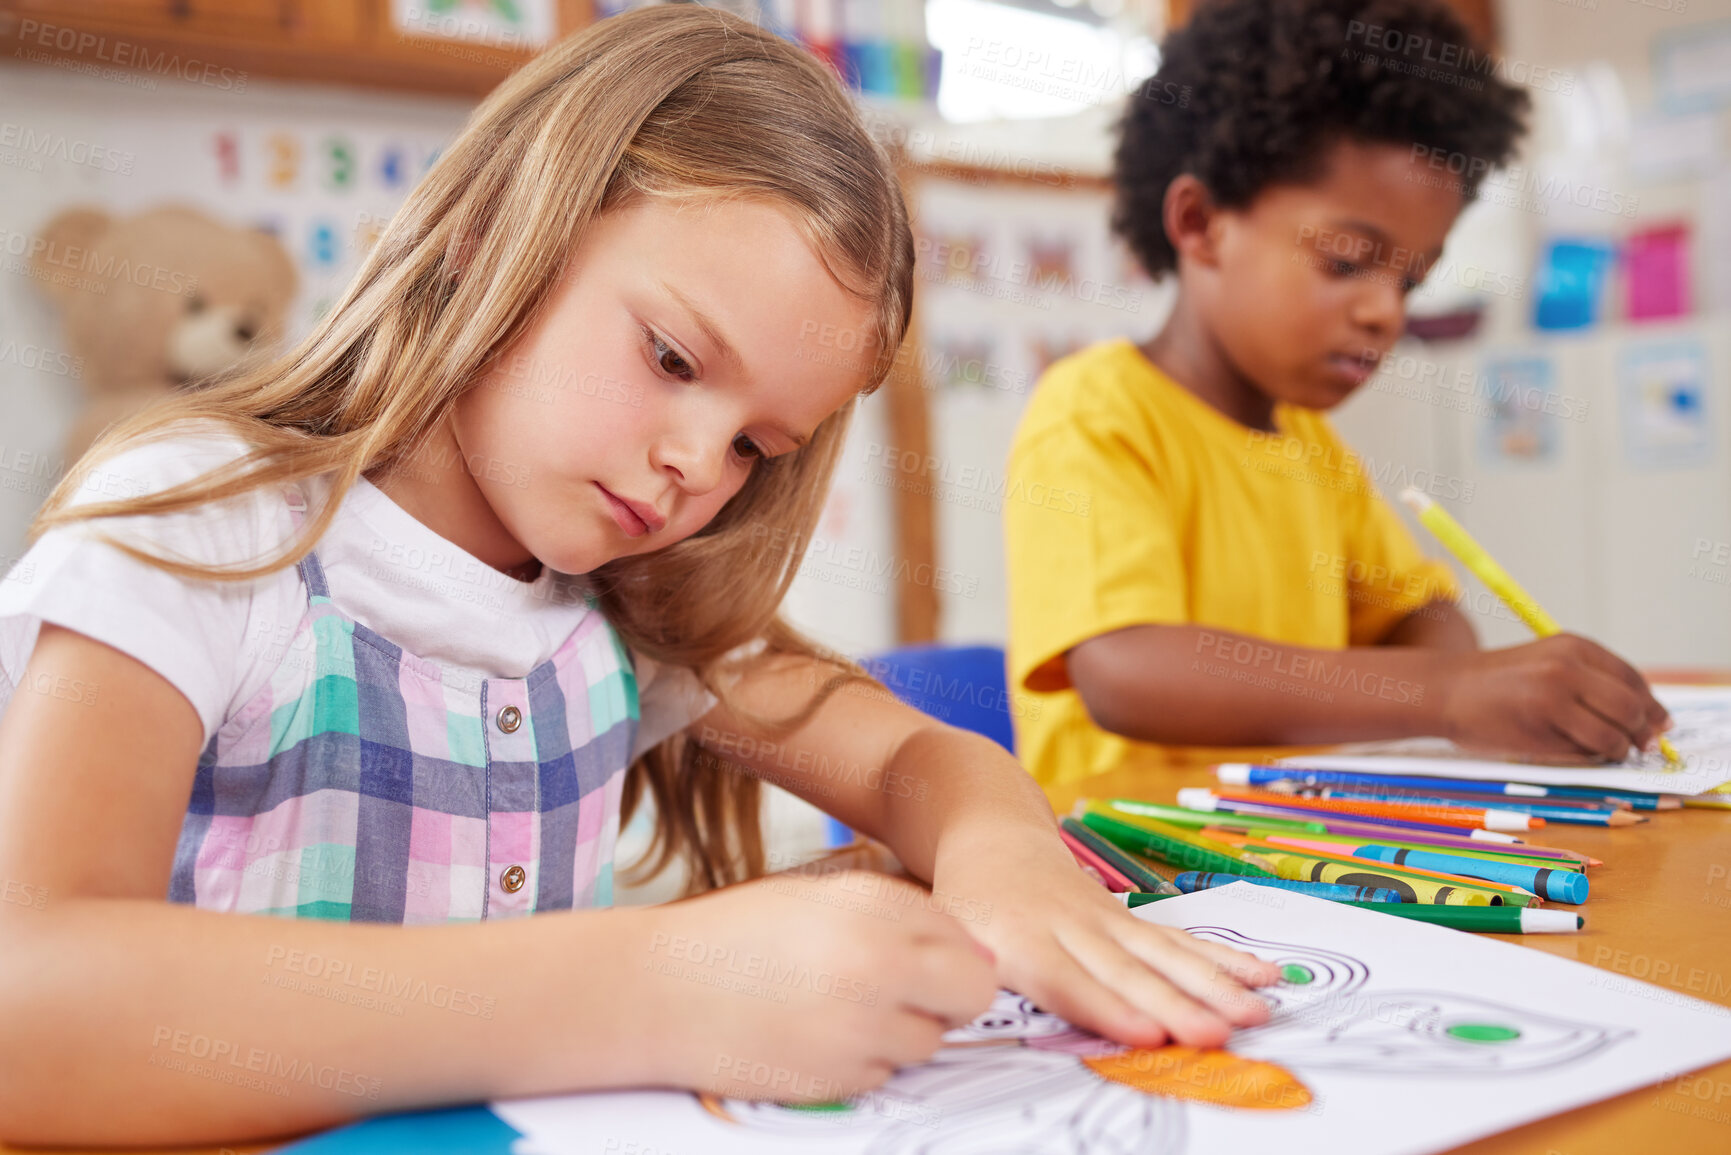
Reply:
x=686, y=343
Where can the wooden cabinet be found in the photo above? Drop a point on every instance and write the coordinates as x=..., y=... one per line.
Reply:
x=332, y=41
x=1479, y=16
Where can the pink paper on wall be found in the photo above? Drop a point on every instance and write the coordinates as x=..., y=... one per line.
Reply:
x=1656, y=272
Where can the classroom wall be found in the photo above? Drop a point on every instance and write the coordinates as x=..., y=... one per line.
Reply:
x=318, y=166
x=1612, y=526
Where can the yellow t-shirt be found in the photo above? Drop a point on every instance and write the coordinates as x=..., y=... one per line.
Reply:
x=1130, y=501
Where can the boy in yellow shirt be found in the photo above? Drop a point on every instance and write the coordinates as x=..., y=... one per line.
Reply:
x=1235, y=579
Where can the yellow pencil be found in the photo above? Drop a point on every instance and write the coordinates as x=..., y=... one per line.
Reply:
x=1472, y=555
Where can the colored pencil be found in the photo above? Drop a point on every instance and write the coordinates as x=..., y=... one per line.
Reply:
x=1477, y=559
x=1131, y=809
x=1437, y=815
x=1171, y=844
x=1400, y=836
x=1252, y=774
x=1578, y=814
x=1143, y=876
x=1110, y=876
x=1202, y=798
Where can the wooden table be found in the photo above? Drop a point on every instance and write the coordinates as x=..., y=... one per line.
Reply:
x=1660, y=911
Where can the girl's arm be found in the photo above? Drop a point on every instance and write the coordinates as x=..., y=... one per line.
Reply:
x=962, y=814
x=127, y=1020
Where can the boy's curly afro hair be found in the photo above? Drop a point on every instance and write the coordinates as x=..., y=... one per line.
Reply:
x=1252, y=93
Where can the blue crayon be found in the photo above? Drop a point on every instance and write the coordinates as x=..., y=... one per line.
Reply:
x=1192, y=880
x=1568, y=886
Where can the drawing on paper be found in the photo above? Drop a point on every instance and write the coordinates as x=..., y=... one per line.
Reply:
x=1019, y=1080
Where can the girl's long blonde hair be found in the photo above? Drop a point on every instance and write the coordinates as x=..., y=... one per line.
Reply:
x=677, y=102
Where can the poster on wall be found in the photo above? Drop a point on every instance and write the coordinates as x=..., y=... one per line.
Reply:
x=1662, y=392
x=1520, y=419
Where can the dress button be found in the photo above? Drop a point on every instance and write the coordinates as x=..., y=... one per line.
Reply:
x=509, y=719
x=512, y=879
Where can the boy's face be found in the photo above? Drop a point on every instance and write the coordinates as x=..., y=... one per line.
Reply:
x=1309, y=288
x=685, y=343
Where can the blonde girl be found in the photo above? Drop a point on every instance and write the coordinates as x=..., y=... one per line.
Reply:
x=385, y=637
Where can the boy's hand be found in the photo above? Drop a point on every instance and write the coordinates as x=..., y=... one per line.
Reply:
x=1063, y=941
x=807, y=989
x=1561, y=698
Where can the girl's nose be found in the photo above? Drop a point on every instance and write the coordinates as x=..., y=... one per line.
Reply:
x=695, y=462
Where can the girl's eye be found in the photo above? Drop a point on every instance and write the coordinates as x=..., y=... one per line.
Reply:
x=670, y=362
x=747, y=448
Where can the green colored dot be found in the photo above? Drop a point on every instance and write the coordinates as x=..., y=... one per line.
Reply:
x=842, y=1106
x=1297, y=974
x=1482, y=1033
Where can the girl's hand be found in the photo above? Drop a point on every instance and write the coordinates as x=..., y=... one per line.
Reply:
x=1062, y=940
x=807, y=989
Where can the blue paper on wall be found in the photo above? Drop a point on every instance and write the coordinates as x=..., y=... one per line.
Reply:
x=1571, y=283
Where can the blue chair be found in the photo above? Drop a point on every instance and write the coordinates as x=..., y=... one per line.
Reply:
x=965, y=686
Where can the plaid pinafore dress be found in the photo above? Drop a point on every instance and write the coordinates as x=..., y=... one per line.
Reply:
x=369, y=784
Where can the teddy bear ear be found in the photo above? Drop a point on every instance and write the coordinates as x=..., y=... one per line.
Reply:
x=75, y=229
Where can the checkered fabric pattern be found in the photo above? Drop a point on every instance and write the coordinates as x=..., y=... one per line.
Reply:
x=368, y=784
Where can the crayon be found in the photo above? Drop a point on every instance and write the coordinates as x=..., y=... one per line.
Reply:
x=1490, y=819
x=1137, y=898
x=1477, y=559
x=1169, y=844
x=1483, y=919
x=1192, y=880
x=1511, y=893
x=1330, y=844
x=1144, y=877
x=1557, y=885
x=1110, y=876
x=1306, y=868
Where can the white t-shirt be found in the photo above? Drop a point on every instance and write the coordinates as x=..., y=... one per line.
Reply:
x=217, y=642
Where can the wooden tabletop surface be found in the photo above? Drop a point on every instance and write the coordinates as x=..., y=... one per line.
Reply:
x=1660, y=912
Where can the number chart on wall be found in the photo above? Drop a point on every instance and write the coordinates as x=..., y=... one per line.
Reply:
x=322, y=169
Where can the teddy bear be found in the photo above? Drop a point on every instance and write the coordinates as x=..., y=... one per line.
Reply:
x=162, y=300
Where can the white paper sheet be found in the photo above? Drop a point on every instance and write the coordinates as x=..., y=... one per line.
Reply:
x=1702, y=736
x=1392, y=1038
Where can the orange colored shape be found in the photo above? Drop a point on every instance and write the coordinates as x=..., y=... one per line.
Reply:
x=1206, y=1075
